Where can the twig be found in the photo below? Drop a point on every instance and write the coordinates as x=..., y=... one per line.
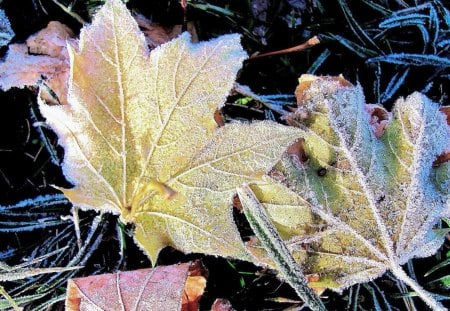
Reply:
x=304, y=46
x=11, y=301
x=422, y=293
x=70, y=12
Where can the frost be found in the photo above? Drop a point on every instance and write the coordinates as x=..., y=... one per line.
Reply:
x=367, y=197
x=6, y=33
x=176, y=287
x=42, y=60
x=140, y=138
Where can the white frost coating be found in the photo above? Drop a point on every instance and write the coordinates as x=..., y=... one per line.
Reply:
x=430, y=138
x=6, y=33
x=376, y=193
x=140, y=137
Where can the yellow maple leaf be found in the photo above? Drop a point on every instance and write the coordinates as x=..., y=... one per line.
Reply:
x=140, y=139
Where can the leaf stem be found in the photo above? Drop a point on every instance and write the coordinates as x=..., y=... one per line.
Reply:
x=11, y=301
x=276, y=248
x=69, y=11
x=301, y=47
x=420, y=291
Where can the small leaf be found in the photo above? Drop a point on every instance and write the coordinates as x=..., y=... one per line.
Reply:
x=48, y=63
x=160, y=288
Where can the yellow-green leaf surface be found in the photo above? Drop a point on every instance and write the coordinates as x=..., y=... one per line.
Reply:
x=360, y=205
x=140, y=139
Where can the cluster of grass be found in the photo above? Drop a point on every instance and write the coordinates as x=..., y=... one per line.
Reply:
x=391, y=47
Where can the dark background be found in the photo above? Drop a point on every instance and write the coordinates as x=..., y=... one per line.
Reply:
x=350, y=35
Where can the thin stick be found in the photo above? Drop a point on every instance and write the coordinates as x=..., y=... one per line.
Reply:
x=11, y=301
x=304, y=46
x=70, y=12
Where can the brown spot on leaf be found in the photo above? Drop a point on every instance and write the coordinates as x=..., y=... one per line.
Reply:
x=442, y=159
x=157, y=34
x=446, y=110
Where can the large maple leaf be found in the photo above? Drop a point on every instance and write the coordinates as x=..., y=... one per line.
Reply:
x=140, y=139
x=362, y=195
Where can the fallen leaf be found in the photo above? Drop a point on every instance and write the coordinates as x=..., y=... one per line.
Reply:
x=43, y=58
x=141, y=141
x=157, y=34
x=51, y=40
x=362, y=204
x=194, y=287
x=160, y=288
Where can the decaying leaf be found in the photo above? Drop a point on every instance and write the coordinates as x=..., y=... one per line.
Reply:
x=156, y=34
x=43, y=58
x=141, y=141
x=360, y=204
x=160, y=288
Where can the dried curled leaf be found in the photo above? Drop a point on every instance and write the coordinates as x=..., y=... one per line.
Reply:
x=43, y=58
x=176, y=287
x=156, y=34
x=141, y=141
x=364, y=201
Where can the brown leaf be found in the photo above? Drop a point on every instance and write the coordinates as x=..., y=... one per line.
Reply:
x=43, y=58
x=160, y=288
x=157, y=34
x=195, y=286
x=51, y=40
